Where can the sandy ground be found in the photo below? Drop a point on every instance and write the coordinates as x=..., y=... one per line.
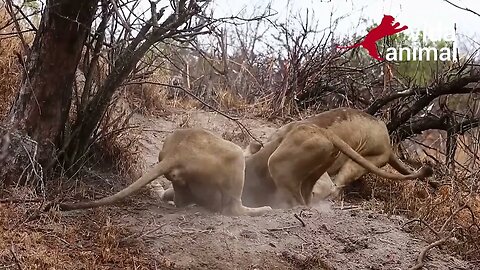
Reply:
x=329, y=238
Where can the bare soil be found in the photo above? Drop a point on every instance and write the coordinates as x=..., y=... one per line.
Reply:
x=331, y=239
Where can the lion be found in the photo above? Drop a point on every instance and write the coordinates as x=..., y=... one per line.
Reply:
x=345, y=143
x=386, y=28
x=204, y=169
x=322, y=189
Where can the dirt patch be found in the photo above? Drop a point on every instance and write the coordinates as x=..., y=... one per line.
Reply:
x=194, y=238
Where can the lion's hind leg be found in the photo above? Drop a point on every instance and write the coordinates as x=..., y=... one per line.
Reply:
x=293, y=165
x=351, y=171
x=310, y=183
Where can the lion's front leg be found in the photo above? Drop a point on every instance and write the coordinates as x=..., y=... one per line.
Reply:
x=182, y=195
x=231, y=189
x=168, y=195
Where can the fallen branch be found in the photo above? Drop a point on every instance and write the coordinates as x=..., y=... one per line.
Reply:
x=423, y=253
x=284, y=228
x=422, y=222
x=299, y=219
x=21, y=200
x=141, y=235
x=302, y=224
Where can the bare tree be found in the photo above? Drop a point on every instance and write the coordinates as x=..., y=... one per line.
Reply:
x=42, y=110
x=43, y=100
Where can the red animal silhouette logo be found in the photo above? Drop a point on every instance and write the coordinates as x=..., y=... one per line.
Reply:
x=386, y=28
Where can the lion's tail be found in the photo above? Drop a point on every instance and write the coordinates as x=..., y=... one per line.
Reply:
x=159, y=169
x=398, y=165
x=349, y=152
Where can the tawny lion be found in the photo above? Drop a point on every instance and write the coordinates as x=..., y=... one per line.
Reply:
x=345, y=143
x=204, y=169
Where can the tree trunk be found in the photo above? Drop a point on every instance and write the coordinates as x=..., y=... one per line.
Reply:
x=43, y=101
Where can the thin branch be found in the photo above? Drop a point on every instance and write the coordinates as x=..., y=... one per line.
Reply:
x=423, y=253
x=458, y=86
x=424, y=223
x=462, y=8
x=21, y=201
x=17, y=261
x=236, y=120
x=12, y=14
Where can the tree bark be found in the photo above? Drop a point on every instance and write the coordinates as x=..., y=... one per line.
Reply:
x=43, y=101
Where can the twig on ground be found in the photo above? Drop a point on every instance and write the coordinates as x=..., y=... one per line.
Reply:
x=440, y=233
x=350, y=207
x=302, y=224
x=386, y=241
x=423, y=253
x=382, y=232
x=17, y=262
x=21, y=200
x=424, y=223
x=140, y=235
x=284, y=228
x=299, y=219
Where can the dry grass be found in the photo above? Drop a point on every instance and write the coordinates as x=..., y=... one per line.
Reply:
x=151, y=99
x=237, y=136
x=10, y=68
x=418, y=200
x=118, y=146
x=121, y=153
x=146, y=99
x=68, y=242
x=226, y=100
